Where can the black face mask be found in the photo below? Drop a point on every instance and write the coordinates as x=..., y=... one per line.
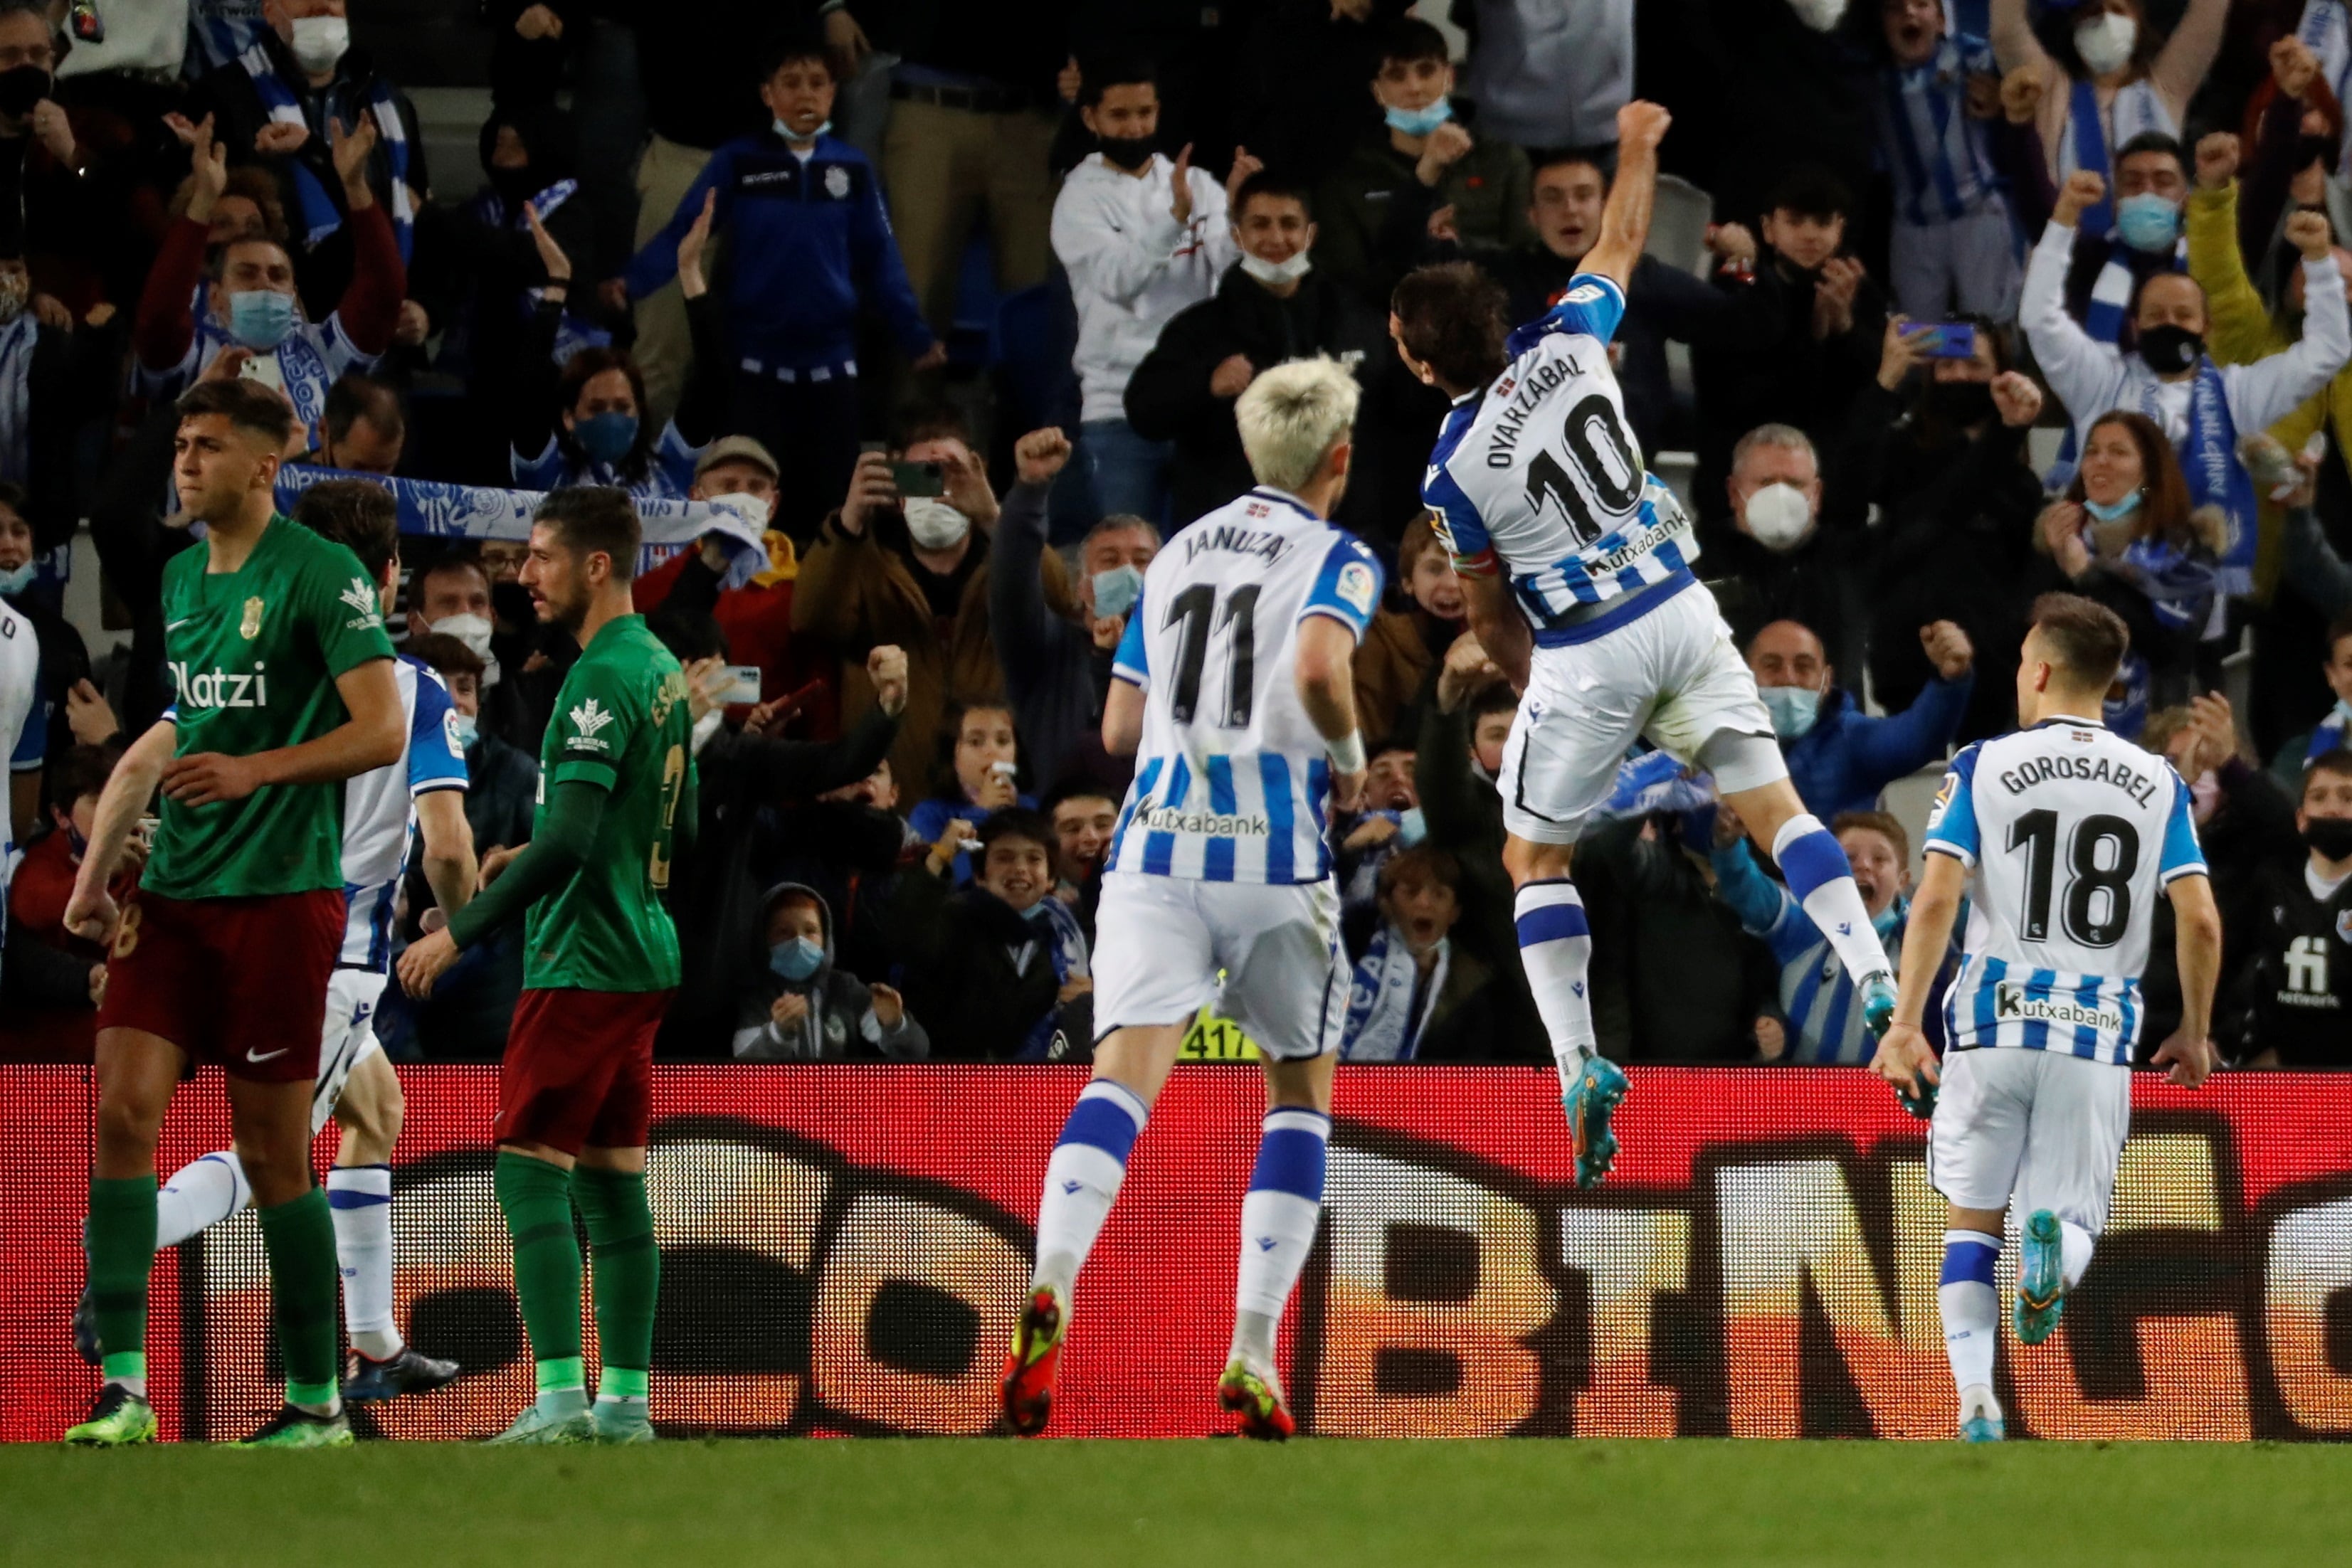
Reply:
x=514, y=186
x=1127, y=151
x=510, y=603
x=1963, y=403
x=2310, y=150
x=2329, y=837
x=2169, y=350
x=21, y=88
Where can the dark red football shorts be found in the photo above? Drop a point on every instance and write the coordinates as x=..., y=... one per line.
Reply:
x=237, y=982
x=578, y=1069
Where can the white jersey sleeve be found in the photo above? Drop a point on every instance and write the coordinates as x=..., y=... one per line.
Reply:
x=1539, y=478
x=380, y=814
x=2071, y=834
x=1232, y=779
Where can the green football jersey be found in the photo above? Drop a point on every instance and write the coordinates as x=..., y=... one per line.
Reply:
x=619, y=722
x=254, y=654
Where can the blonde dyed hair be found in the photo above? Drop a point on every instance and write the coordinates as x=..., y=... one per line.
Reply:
x=1292, y=416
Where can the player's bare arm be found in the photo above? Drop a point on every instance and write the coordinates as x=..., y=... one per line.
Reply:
x=91, y=911
x=2197, y=945
x=1904, y=1057
x=1327, y=689
x=1122, y=724
x=448, y=860
x=1625, y=221
x=1501, y=629
x=371, y=737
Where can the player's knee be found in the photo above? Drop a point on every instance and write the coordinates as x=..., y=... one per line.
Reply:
x=126, y=1126
x=1528, y=861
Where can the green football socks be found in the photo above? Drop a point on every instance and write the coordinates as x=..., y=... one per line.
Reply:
x=122, y=1251
x=536, y=1199
x=299, y=1238
x=627, y=1274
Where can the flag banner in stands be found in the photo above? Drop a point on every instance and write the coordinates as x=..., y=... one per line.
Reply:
x=845, y=1248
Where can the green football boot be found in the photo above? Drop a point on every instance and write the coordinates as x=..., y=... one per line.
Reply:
x=294, y=1427
x=542, y=1424
x=117, y=1420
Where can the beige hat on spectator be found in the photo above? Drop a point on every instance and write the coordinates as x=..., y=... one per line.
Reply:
x=734, y=448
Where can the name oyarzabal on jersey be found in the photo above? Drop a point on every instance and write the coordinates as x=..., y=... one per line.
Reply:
x=2071, y=834
x=1232, y=776
x=1539, y=478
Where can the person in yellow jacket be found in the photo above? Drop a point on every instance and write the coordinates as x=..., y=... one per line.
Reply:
x=2241, y=329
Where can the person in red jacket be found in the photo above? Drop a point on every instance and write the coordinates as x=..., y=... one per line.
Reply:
x=53, y=978
x=198, y=302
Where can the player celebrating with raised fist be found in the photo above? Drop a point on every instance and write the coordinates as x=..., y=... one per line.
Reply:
x=2063, y=835
x=601, y=961
x=1235, y=691
x=1576, y=563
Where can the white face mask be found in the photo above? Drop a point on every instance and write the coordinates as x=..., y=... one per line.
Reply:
x=1289, y=271
x=471, y=630
x=2107, y=44
x=321, y=41
x=1821, y=15
x=1777, y=516
x=751, y=508
x=934, y=524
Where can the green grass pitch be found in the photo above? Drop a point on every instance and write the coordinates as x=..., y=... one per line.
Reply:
x=1129, y=1505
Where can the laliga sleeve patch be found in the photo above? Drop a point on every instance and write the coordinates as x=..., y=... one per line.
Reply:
x=1943, y=803
x=1584, y=294
x=449, y=733
x=1358, y=587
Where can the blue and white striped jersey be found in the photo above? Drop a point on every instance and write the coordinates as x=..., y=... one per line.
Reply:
x=380, y=813
x=1232, y=779
x=1539, y=476
x=2072, y=833
x=2326, y=30
x=1933, y=150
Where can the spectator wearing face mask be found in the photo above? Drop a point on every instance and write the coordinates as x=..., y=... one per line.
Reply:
x=2107, y=80
x=1951, y=248
x=502, y=780
x=2202, y=409
x=1003, y=957
x=1823, y=1023
x=1937, y=443
x=1397, y=662
x=1808, y=373
x=451, y=594
x=1141, y=239
x=2293, y=141
x=593, y=423
x=2110, y=265
x=1271, y=306
x=809, y=246
x=1084, y=817
x=1456, y=765
x=1387, y=819
x=1058, y=659
x=984, y=757
x=1664, y=303
x=1840, y=757
x=1414, y=995
x=800, y=1006
x=277, y=105
x=1421, y=176
x=2298, y=989
x=62, y=173
x=848, y=843
x=1788, y=556
x=251, y=302
x=913, y=572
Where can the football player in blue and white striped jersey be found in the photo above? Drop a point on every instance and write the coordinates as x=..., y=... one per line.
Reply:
x=1233, y=687
x=2064, y=836
x=1575, y=561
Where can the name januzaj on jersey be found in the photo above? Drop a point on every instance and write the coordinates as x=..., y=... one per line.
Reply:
x=1542, y=379
x=1266, y=544
x=220, y=688
x=2140, y=787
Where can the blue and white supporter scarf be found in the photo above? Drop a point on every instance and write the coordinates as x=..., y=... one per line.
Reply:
x=320, y=216
x=1380, y=1024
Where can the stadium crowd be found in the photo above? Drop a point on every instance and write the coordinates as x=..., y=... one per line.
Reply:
x=953, y=304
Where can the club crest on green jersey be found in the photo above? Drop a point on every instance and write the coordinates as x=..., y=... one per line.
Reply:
x=250, y=627
x=361, y=598
x=588, y=719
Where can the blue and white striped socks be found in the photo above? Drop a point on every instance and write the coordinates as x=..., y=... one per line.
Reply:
x=360, y=1198
x=1081, y=1180
x=1820, y=875
x=1555, y=948
x=1279, y=1217
x=1971, y=1307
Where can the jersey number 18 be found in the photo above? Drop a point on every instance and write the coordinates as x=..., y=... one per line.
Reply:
x=2087, y=920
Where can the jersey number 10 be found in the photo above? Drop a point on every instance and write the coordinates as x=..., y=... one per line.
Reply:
x=1196, y=608
x=2085, y=920
x=1616, y=484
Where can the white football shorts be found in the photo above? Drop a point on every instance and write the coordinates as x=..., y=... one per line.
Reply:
x=2042, y=1127
x=1671, y=674
x=353, y=996
x=1161, y=941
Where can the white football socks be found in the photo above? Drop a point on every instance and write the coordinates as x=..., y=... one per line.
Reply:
x=1820, y=875
x=200, y=1194
x=1971, y=1307
x=1081, y=1180
x=1280, y=1216
x=1556, y=949
x=2075, y=1244
x=360, y=1197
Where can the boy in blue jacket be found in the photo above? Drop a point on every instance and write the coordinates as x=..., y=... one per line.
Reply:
x=807, y=240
